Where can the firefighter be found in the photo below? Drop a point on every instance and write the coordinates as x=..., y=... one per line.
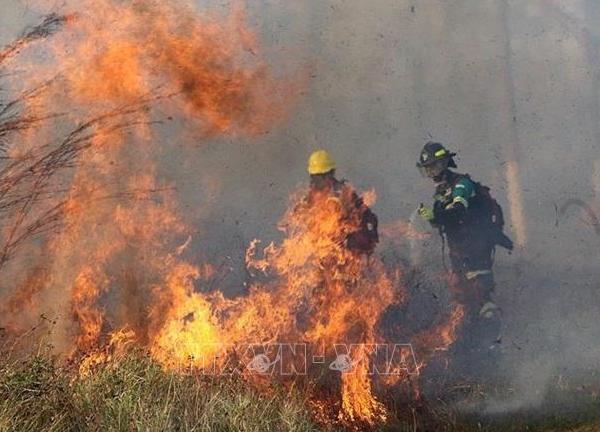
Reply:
x=321, y=168
x=470, y=222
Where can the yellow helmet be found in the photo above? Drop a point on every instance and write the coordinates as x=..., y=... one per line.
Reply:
x=320, y=162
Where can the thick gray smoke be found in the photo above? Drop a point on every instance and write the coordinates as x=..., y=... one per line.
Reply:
x=494, y=80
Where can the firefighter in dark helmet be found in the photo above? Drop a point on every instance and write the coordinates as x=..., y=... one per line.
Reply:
x=321, y=168
x=471, y=223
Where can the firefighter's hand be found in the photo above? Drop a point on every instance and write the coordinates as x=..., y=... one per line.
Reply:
x=426, y=213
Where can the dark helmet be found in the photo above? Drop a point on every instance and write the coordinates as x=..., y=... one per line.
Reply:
x=433, y=152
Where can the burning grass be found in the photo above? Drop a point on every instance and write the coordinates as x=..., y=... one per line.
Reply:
x=114, y=265
x=115, y=262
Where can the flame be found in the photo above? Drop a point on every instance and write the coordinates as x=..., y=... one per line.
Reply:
x=123, y=240
x=114, y=350
x=118, y=53
x=121, y=64
x=189, y=333
x=341, y=293
x=357, y=402
x=85, y=294
x=319, y=291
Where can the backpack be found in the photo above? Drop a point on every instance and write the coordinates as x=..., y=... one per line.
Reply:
x=488, y=214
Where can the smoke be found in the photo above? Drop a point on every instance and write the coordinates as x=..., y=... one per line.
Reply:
x=126, y=83
x=493, y=81
x=498, y=82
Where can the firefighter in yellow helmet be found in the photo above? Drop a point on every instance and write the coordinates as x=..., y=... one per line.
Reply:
x=320, y=162
x=321, y=168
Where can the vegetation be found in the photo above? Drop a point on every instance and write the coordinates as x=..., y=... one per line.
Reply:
x=135, y=394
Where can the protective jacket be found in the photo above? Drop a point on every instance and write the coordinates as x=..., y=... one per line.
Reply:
x=364, y=237
x=460, y=215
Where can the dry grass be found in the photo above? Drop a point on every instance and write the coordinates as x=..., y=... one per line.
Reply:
x=135, y=394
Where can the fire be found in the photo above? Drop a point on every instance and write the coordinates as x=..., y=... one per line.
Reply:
x=86, y=291
x=115, y=349
x=122, y=64
x=118, y=272
x=190, y=333
x=209, y=65
x=339, y=295
x=319, y=292
x=357, y=400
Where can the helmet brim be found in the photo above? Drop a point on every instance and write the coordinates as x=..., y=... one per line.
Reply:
x=449, y=156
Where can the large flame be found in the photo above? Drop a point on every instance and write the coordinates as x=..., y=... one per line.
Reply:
x=116, y=271
x=320, y=292
x=125, y=65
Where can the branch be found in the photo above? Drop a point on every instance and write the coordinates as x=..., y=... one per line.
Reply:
x=50, y=25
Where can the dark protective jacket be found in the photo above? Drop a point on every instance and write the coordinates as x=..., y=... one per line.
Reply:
x=365, y=237
x=459, y=214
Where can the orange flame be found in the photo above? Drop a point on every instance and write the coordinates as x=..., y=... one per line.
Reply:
x=122, y=231
x=200, y=68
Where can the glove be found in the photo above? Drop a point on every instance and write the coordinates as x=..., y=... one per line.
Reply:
x=426, y=213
